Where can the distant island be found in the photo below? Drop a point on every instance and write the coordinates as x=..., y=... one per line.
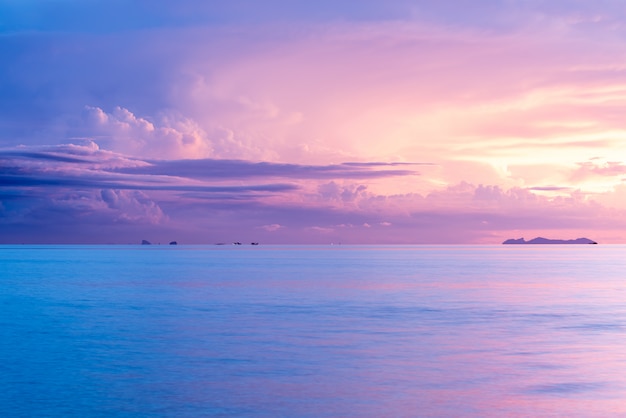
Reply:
x=541, y=240
x=146, y=242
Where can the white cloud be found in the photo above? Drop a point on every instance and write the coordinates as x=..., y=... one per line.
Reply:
x=170, y=137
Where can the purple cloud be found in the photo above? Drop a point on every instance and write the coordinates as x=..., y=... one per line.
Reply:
x=231, y=118
x=86, y=186
x=58, y=166
x=550, y=188
x=216, y=169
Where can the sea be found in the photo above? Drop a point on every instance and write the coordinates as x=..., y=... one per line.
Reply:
x=312, y=331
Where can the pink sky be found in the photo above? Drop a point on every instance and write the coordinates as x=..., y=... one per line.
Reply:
x=507, y=120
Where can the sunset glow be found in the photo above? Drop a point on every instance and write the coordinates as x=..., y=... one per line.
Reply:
x=288, y=122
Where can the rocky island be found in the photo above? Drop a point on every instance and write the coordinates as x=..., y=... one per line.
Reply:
x=541, y=240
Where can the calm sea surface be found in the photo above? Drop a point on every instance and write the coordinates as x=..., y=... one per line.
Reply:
x=313, y=331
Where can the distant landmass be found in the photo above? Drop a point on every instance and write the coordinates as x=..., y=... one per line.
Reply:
x=541, y=240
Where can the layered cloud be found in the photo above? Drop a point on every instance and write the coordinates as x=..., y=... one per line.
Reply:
x=81, y=193
x=89, y=167
x=400, y=121
x=64, y=184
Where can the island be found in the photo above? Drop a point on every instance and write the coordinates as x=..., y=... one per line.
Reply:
x=145, y=242
x=541, y=240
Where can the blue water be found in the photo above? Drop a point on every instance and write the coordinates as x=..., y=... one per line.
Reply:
x=341, y=331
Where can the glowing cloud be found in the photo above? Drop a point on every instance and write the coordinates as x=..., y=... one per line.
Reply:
x=425, y=122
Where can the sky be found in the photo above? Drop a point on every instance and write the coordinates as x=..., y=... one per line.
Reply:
x=293, y=122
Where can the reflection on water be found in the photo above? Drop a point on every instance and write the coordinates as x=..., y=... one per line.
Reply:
x=312, y=331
